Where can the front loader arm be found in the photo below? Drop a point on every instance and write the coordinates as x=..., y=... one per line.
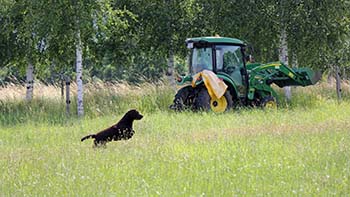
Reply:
x=262, y=76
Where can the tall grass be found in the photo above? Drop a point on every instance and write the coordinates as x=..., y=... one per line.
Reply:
x=250, y=152
x=100, y=99
x=303, y=148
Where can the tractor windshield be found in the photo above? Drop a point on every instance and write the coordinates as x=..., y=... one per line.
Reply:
x=202, y=59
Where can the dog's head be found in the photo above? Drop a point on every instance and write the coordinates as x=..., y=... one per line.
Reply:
x=134, y=114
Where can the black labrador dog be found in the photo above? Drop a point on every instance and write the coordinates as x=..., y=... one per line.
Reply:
x=121, y=131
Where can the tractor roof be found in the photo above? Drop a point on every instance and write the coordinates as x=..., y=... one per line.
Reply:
x=224, y=40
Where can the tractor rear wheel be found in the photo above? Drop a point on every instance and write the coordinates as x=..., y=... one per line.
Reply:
x=269, y=102
x=204, y=102
x=183, y=99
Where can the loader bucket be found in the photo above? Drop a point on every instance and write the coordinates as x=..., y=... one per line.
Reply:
x=308, y=76
x=297, y=77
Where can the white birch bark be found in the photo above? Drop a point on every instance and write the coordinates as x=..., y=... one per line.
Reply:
x=79, y=73
x=283, y=57
x=29, y=81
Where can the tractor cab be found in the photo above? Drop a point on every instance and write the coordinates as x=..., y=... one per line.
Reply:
x=223, y=56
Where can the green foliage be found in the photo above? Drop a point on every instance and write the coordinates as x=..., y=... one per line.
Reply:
x=130, y=39
x=321, y=29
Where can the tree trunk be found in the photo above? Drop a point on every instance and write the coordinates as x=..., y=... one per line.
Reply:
x=62, y=87
x=79, y=73
x=337, y=78
x=283, y=57
x=67, y=96
x=29, y=81
x=170, y=71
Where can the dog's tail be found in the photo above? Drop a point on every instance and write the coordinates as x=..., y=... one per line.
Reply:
x=88, y=136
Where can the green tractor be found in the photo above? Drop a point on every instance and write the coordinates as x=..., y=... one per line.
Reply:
x=246, y=84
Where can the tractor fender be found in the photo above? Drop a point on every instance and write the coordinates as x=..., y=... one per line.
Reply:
x=216, y=87
x=231, y=85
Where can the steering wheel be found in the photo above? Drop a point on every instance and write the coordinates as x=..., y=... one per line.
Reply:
x=230, y=69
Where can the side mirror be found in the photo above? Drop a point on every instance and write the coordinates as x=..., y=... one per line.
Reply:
x=190, y=45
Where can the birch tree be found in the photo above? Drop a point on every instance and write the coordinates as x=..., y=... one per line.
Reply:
x=29, y=81
x=283, y=47
x=25, y=24
x=283, y=57
x=325, y=30
x=73, y=27
x=79, y=73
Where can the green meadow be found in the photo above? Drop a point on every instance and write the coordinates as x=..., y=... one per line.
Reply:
x=301, y=149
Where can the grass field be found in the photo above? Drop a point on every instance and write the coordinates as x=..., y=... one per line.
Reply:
x=303, y=148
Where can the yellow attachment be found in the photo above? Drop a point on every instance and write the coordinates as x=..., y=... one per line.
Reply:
x=216, y=87
x=218, y=104
x=271, y=105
